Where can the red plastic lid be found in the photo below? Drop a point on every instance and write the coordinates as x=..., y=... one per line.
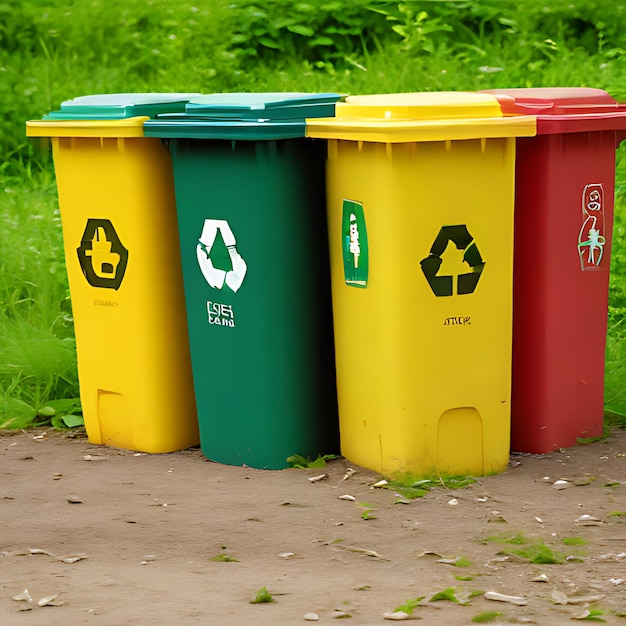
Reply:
x=553, y=100
x=563, y=109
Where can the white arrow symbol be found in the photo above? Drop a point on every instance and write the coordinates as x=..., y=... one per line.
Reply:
x=214, y=276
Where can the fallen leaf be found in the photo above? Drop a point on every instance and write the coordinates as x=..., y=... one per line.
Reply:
x=51, y=601
x=558, y=597
x=349, y=472
x=363, y=551
x=397, y=615
x=72, y=558
x=315, y=479
x=611, y=557
x=561, y=484
x=542, y=578
x=23, y=597
x=584, y=480
x=500, y=597
x=430, y=553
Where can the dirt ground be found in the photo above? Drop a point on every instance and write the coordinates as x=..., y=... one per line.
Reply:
x=112, y=537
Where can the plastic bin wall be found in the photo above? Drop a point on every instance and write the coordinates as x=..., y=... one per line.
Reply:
x=421, y=243
x=118, y=215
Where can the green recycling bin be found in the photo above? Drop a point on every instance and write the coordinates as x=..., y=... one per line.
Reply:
x=250, y=194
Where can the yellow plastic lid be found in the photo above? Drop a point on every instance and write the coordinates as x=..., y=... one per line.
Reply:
x=128, y=127
x=438, y=105
x=409, y=117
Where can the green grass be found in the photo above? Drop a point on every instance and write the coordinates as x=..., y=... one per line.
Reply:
x=50, y=52
x=37, y=348
x=487, y=616
x=534, y=550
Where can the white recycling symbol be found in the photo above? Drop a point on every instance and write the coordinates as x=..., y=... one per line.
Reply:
x=215, y=276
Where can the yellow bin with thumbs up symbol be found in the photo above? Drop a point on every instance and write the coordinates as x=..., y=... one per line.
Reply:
x=120, y=232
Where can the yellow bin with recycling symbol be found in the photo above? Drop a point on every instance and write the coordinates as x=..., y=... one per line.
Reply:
x=420, y=193
x=120, y=233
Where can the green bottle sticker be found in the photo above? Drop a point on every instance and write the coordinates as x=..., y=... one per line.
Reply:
x=355, y=251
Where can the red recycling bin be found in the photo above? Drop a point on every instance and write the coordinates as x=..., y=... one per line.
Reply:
x=564, y=200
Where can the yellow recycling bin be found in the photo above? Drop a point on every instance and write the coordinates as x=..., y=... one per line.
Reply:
x=420, y=209
x=117, y=205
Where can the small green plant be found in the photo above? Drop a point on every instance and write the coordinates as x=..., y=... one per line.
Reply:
x=410, y=605
x=368, y=510
x=535, y=550
x=451, y=595
x=617, y=514
x=464, y=578
x=574, y=541
x=410, y=488
x=517, y=539
x=487, y=616
x=262, y=595
x=538, y=553
x=593, y=615
x=606, y=431
x=301, y=462
x=223, y=558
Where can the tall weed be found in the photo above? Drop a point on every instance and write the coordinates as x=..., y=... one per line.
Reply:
x=37, y=348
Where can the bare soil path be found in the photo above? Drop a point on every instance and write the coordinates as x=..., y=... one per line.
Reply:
x=116, y=537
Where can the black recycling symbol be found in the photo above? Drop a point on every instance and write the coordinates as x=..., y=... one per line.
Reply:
x=101, y=255
x=466, y=283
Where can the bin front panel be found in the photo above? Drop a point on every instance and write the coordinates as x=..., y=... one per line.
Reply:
x=423, y=338
x=255, y=263
x=563, y=230
x=118, y=215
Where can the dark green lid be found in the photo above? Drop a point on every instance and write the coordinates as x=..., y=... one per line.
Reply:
x=269, y=106
x=117, y=106
x=246, y=116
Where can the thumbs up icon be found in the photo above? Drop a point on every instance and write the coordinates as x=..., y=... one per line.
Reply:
x=103, y=261
x=101, y=255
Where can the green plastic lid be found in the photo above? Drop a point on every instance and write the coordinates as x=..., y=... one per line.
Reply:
x=244, y=116
x=117, y=106
x=267, y=106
